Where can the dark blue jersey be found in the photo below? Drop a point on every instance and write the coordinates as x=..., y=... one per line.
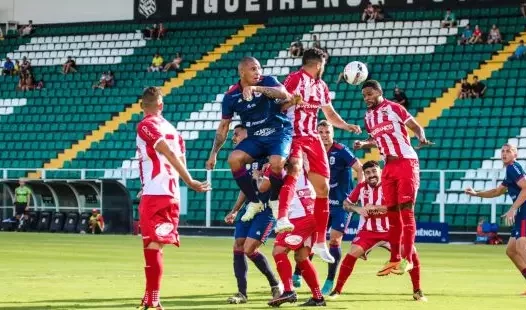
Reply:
x=514, y=173
x=258, y=165
x=262, y=115
x=341, y=160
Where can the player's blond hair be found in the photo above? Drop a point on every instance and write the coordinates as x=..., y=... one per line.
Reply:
x=325, y=123
x=150, y=97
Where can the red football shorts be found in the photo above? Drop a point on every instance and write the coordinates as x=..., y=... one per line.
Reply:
x=400, y=181
x=303, y=235
x=159, y=219
x=370, y=239
x=313, y=153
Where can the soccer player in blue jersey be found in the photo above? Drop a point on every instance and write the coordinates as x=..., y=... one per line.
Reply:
x=515, y=184
x=258, y=100
x=250, y=235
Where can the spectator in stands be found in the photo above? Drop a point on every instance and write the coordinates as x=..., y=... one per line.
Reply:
x=22, y=201
x=25, y=65
x=369, y=13
x=296, y=48
x=400, y=97
x=466, y=36
x=175, y=64
x=151, y=33
x=477, y=88
x=477, y=36
x=494, y=35
x=315, y=42
x=69, y=66
x=520, y=52
x=465, y=89
x=161, y=31
x=157, y=63
x=96, y=222
x=449, y=19
x=40, y=85
x=26, y=30
x=9, y=67
x=523, y=9
x=16, y=70
x=21, y=86
x=106, y=80
x=380, y=11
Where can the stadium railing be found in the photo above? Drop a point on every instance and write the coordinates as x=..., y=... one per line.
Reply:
x=442, y=188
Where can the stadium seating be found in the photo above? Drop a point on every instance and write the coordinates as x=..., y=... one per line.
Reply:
x=411, y=52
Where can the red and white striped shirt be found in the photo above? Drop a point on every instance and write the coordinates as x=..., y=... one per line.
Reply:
x=158, y=177
x=368, y=195
x=315, y=94
x=303, y=202
x=385, y=123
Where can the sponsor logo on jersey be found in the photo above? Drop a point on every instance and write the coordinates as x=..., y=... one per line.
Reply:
x=250, y=124
x=164, y=229
x=293, y=240
x=264, y=132
x=332, y=160
x=382, y=129
x=334, y=202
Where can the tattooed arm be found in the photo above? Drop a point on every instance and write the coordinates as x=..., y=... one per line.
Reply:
x=273, y=92
x=221, y=135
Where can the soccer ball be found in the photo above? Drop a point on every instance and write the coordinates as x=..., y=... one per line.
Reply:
x=355, y=73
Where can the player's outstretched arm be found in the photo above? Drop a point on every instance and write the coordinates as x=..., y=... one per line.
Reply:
x=336, y=120
x=419, y=133
x=357, y=167
x=219, y=141
x=495, y=192
x=364, y=144
x=273, y=92
x=231, y=216
x=180, y=167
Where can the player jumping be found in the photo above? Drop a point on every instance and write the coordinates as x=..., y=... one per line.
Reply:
x=300, y=240
x=386, y=123
x=250, y=235
x=161, y=161
x=372, y=230
x=515, y=184
x=308, y=84
x=256, y=99
x=341, y=162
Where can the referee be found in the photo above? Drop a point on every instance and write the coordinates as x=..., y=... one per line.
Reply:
x=22, y=200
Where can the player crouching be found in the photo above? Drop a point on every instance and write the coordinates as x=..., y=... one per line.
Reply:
x=300, y=240
x=373, y=229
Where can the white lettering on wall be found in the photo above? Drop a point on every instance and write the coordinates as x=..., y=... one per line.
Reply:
x=286, y=5
x=308, y=4
x=231, y=6
x=269, y=5
x=331, y=3
x=353, y=3
x=252, y=6
x=211, y=6
x=175, y=5
x=194, y=7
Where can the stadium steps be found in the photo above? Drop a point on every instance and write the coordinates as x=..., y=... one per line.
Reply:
x=125, y=116
x=447, y=100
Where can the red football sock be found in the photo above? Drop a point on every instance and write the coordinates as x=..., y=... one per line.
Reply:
x=409, y=232
x=415, y=272
x=286, y=195
x=395, y=233
x=284, y=270
x=311, y=277
x=346, y=269
x=321, y=214
x=154, y=273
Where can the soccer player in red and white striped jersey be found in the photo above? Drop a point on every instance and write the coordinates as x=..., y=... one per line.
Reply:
x=386, y=123
x=161, y=163
x=307, y=144
x=373, y=229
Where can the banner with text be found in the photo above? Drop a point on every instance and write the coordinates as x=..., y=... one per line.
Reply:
x=180, y=10
x=425, y=232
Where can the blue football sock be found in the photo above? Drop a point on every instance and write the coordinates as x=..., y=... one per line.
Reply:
x=244, y=181
x=240, y=271
x=261, y=263
x=336, y=252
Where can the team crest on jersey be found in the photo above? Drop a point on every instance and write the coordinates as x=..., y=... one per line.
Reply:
x=293, y=240
x=164, y=229
x=147, y=7
x=257, y=95
x=332, y=160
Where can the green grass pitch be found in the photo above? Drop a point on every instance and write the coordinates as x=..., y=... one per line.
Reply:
x=56, y=271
